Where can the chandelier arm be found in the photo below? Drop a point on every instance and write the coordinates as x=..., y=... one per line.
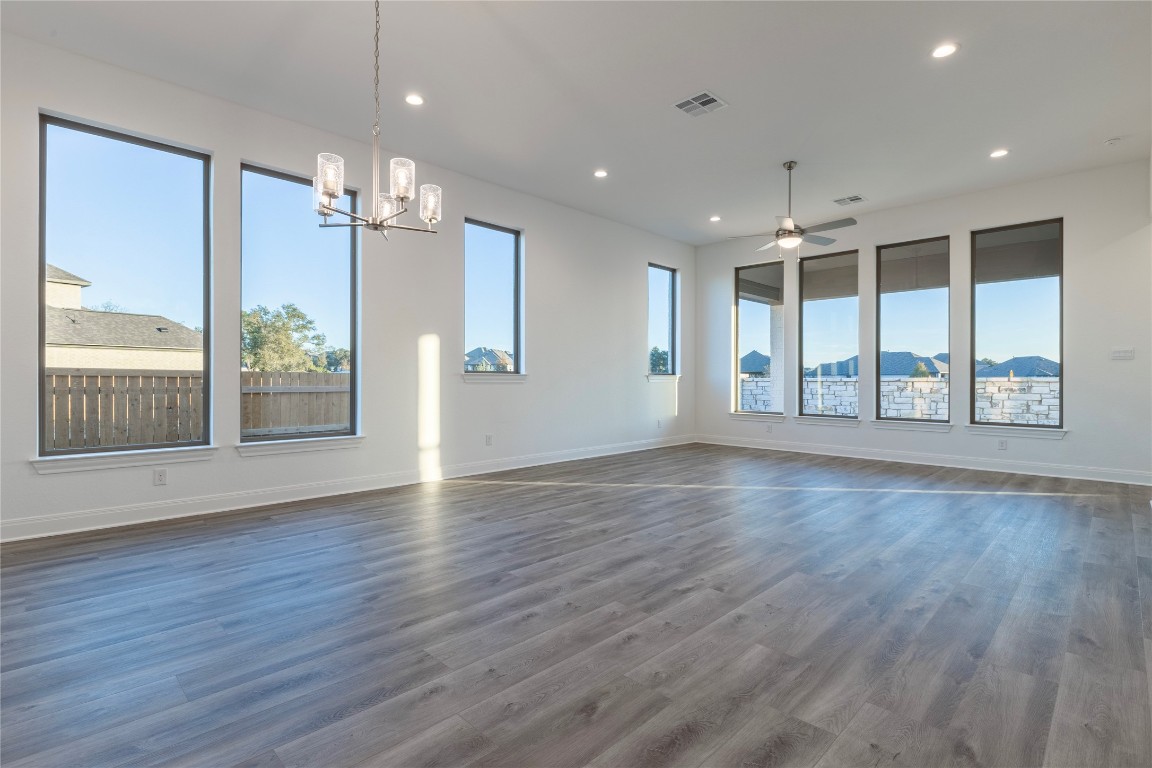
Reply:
x=411, y=229
x=389, y=218
x=349, y=214
x=345, y=224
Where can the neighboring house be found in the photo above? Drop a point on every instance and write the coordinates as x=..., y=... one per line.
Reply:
x=83, y=338
x=1020, y=367
x=755, y=364
x=484, y=359
x=891, y=364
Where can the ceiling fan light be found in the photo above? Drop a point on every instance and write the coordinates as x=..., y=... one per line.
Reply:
x=790, y=240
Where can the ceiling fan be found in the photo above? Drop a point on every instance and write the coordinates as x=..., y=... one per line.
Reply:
x=789, y=235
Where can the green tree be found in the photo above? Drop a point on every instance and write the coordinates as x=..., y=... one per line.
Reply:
x=658, y=360
x=920, y=371
x=283, y=339
x=337, y=359
x=987, y=361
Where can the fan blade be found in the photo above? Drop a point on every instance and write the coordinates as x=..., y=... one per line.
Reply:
x=831, y=225
x=741, y=237
x=765, y=247
x=818, y=239
x=786, y=222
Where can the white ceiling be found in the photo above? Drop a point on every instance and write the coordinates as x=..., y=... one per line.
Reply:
x=535, y=95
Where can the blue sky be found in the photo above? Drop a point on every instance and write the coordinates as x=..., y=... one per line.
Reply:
x=490, y=284
x=658, y=292
x=288, y=258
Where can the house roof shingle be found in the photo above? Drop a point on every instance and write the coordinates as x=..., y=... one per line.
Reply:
x=53, y=274
x=1029, y=365
x=755, y=362
x=85, y=327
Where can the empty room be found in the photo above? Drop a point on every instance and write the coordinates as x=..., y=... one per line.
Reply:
x=562, y=384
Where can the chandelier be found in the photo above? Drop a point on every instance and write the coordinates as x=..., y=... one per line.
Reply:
x=328, y=183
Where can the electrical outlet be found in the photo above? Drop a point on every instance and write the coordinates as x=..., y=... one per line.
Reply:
x=659, y=423
x=1002, y=445
x=159, y=477
x=488, y=440
x=769, y=429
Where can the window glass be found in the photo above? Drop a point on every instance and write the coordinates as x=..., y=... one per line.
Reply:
x=125, y=249
x=1016, y=275
x=491, y=298
x=830, y=335
x=661, y=320
x=298, y=335
x=912, y=326
x=760, y=338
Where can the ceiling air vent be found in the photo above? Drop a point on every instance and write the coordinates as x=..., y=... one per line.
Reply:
x=850, y=200
x=700, y=104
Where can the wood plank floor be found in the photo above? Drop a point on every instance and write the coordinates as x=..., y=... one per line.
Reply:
x=688, y=606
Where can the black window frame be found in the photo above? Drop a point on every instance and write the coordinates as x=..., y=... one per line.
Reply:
x=673, y=320
x=517, y=298
x=972, y=324
x=353, y=309
x=800, y=335
x=736, y=338
x=205, y=158
x=948, y=334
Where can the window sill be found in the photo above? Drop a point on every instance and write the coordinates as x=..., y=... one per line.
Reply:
x=1037, y=433
x=669, y=377
x=911, y=426
x=299, y=445
x=828, y=421
x=494, y=378
x=76, y=462
x=753, y=416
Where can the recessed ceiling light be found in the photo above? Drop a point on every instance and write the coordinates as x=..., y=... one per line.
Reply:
x=945, y=49
x=414, y=99
x=600, y=173
x=998, y=153
x=714, y=218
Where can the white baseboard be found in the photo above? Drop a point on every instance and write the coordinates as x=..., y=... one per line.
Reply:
x=111, y=517
x=1132, y=477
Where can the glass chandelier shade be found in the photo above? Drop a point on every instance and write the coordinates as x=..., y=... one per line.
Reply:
x=429, y=203
x=330, y=172
x=402, y=177
x=388, y=206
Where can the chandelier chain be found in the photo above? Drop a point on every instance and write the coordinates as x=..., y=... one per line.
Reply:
x=376, y=80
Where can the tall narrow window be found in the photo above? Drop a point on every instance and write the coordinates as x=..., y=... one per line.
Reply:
x=760, y=338
x=1016, y=324
x=124, y=265
x=829, y=335
x=298, y=313
x=661, y=320
x=491, y=298
x=912, y=330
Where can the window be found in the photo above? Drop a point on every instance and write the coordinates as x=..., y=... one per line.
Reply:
x=1016, y=324
x=912, y=365
x=661, y=320
x=760, y=338
x=491, y=298
x=124, y=281
x=829, y=335
x=298, y=312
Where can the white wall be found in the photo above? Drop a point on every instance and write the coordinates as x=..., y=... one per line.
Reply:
x=1107, y=305
x=585, y=320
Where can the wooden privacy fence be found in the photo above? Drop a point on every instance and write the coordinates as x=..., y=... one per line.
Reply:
x=290, y=402
x=86, y=408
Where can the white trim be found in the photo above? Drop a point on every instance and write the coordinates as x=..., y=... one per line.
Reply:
x=911, y=426
x=552, y=457
x=480, y=377
x=1107, y=474
x=154, y=511
x=670, y=377
x=86, y=462
x=828, y=421
x=1037, y=433
x=777, y=418
x=299, y=445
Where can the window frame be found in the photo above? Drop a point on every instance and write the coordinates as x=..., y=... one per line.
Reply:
x=353, y=311
x=800, y=336
x=736, y=409
x=673, y=321
x=205, y=159
x=972, y=325
x=948, y=334
x=517, y=297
